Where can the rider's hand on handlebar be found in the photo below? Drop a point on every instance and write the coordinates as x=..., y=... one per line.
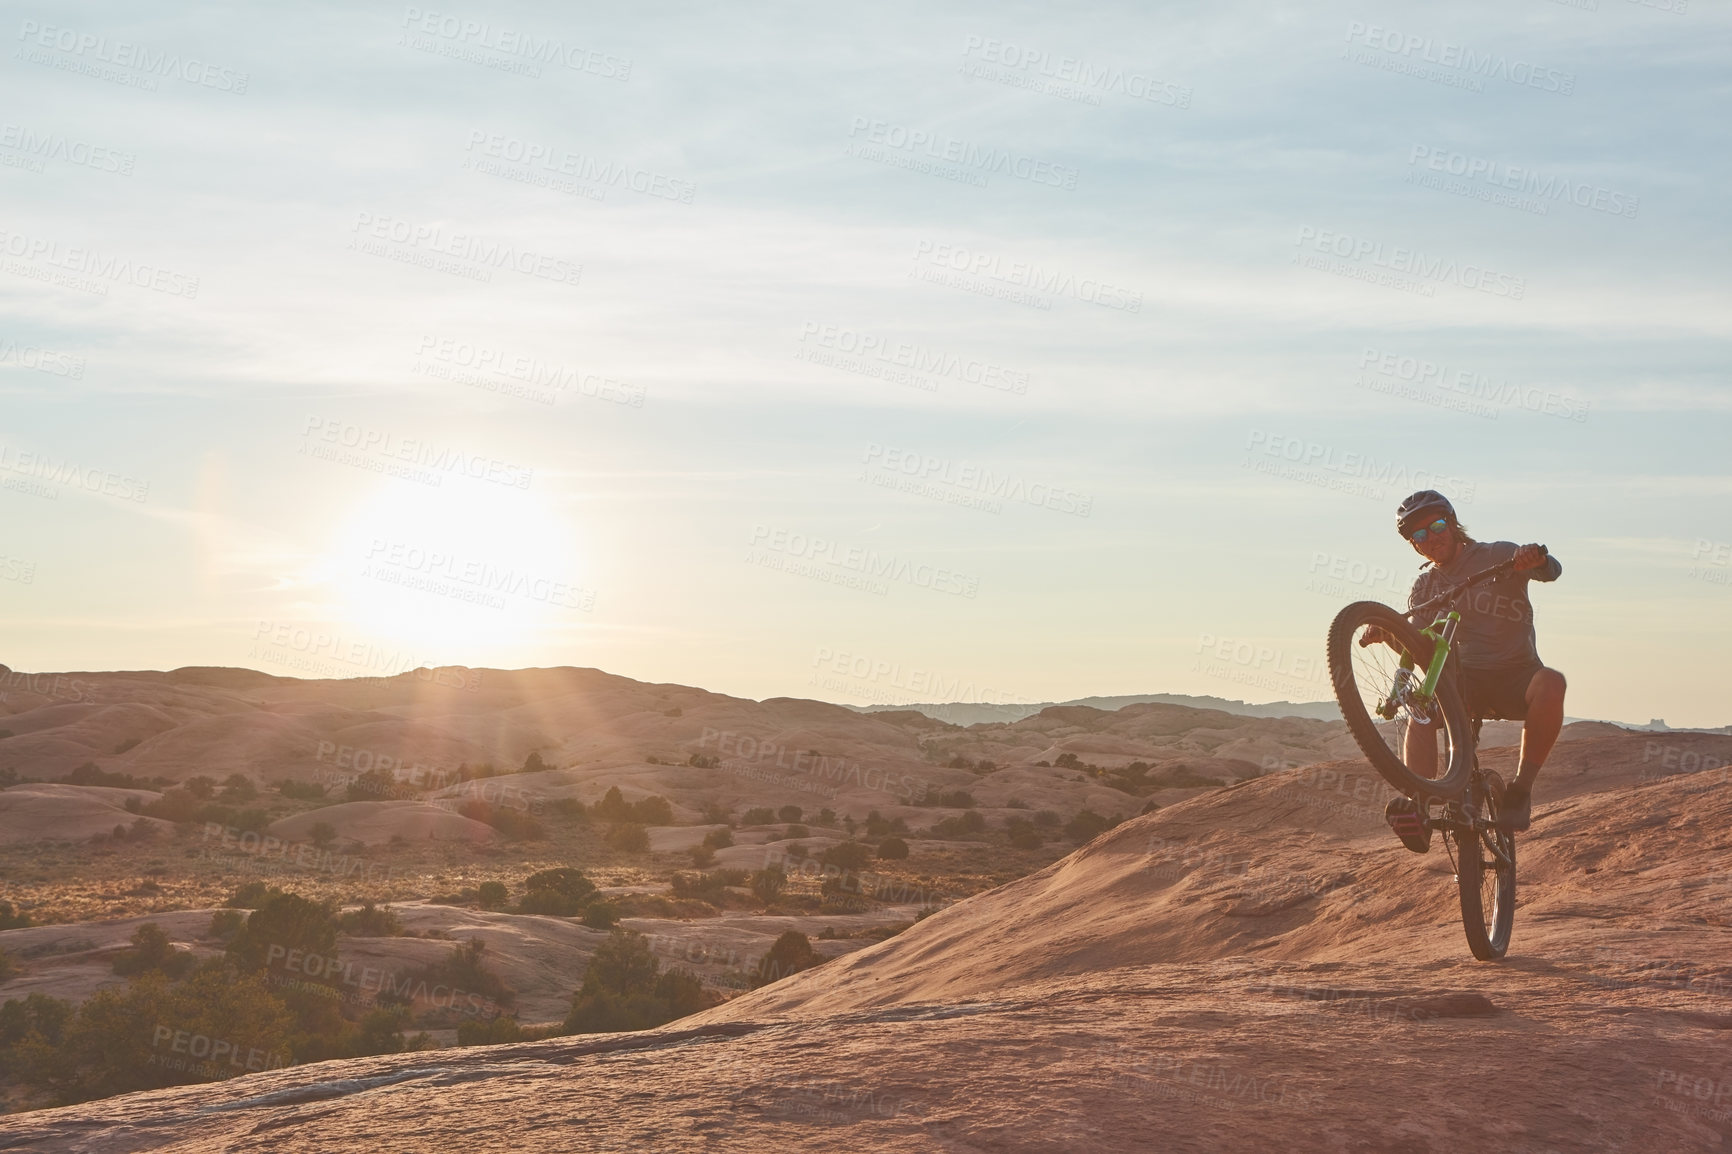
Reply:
x=1530, y=557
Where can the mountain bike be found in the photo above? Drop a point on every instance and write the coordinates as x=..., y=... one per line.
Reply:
x=1390, y=675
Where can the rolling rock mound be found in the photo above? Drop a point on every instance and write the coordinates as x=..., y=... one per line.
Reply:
x=1257, y=968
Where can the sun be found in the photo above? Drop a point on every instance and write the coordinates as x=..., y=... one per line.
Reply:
x=459, y=576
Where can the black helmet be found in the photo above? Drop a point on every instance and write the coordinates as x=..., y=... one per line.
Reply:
x=1422, y=508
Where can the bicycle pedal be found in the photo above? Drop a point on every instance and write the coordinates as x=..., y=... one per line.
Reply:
x=1409, y=824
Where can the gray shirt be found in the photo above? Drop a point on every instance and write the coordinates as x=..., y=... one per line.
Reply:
x=1497, y=619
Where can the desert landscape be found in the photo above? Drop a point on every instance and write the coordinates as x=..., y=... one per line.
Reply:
x=1154, y=927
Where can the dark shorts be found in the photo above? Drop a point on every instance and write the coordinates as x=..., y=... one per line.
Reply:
x=1501, y=692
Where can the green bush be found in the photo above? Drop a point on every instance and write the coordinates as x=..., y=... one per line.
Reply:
x=224, y=924
x=7, y=969
x=1087, y=825
x=707, y=887
x=152, y=951
x=601, y=914
x=238, y=788
x=797, y=830
x=790, y=813
x=758, y=815
x=301, y=791
x=10, y=918
x=493, y=895
x=719, y=839
x=1023, y=835
x=893, y=849
x=768, y=884
x=849, y=855
x=791, y=953
x=322, y=834
x=624, y=989
x=288, y=921
x=562, y=892
x=653, y=810
x=370, y=922
x=629, y=837
x=251, y=896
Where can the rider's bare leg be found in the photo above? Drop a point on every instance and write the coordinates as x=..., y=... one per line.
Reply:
x=1419, y=748
x=1545, y=697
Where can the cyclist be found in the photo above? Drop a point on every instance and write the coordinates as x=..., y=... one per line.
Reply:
x=1502, y=675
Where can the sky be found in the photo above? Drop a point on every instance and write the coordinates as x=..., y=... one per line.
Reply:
x=877, y=354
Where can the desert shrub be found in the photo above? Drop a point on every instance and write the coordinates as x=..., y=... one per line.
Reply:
x=967, y=823
x=790, y=813
x=534, y=764
x=1023, y=835
x=374, y=785
x=703, y=857
x=224, y=924
x=791, y=953
x=704, y=760
x=768, y=883
x=953, y=799
x=510, y=822
x=984, y=766
x=493, y=895
x=152, y=951
x=288, y=922
x=849, y=855
x=1068, y=761
x=7, y=969
x=706, y=887
x=718, y=839
x=624, y=989
x=653, y=810
x=601, y=914
x=569, y=808
x=463, y=970
x=629, y=837
x=1087, y=825
x=322, y=834
x=877, y=825
x=91, y=774
x=10, y=918
x=892, y=849
x=251, y=896
x=238, y=788
x=797, y=830
x=826, y=819
x=562, y=892
x=758, y=815
x=370, y=921
x=1046, y=819
x=301, y=790
x=493, y=1032
x=957, y=762
x=1016, y=803
x=201, y=786
x=796, y=852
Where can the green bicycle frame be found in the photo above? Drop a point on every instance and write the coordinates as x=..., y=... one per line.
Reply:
x=1442, y=633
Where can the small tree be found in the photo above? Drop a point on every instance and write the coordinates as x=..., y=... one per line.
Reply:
x=493, y=895
x=792, y=953
x=893, y=849
x=768, y=884
x=322, y=834
x=629, y=837
x=790, y=813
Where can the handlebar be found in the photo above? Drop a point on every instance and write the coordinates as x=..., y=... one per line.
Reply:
x=1483, y=575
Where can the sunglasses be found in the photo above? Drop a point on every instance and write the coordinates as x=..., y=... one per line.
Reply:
x=1418, y=536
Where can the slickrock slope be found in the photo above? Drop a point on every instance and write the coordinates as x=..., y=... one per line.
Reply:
x=1258, y=968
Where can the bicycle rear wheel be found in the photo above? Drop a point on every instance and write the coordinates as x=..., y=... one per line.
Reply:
x=1365, y=677
x=1486, y=875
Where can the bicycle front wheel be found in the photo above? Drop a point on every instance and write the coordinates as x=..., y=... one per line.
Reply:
x=1380, y=716
x=1486, y=875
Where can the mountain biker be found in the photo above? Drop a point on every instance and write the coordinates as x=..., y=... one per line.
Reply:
x=1502, y=675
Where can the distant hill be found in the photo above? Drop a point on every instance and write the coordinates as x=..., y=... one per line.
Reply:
x=976, y=712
